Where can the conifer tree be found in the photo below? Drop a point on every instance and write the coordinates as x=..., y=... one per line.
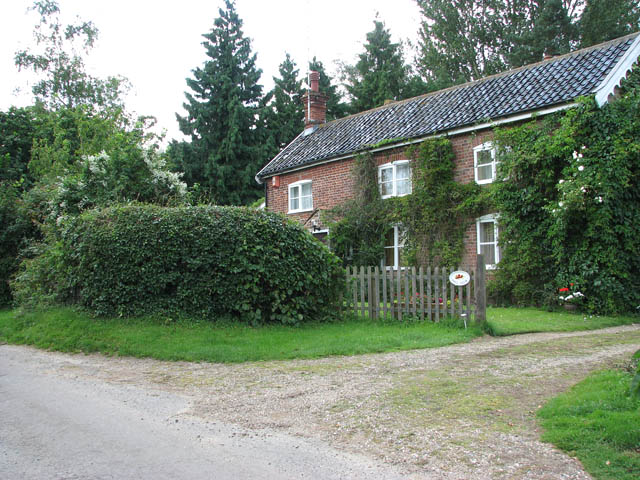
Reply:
x=464, y=40
x=285, y=117
x=604, y=20
x=223, y=110
x=380, y=73
x=553, y=33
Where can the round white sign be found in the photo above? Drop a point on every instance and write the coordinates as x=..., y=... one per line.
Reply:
x=459, y=278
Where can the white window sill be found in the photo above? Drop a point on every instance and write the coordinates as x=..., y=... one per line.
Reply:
x=300, y=211
x=384, y=197
x=484, y=182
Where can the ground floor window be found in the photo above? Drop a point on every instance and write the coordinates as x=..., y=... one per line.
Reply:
x=321, y=235
x=394, y=248
x=487, y=234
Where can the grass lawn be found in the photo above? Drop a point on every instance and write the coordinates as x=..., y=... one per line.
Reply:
x=598, y=422
x=511, y=321
x=69, y=330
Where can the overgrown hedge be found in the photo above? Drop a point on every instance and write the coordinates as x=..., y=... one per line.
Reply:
x=205, y=261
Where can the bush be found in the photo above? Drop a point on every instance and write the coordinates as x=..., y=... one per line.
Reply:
x=206, y=261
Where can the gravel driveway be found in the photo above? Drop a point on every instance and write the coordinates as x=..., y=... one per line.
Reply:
x=463, y=411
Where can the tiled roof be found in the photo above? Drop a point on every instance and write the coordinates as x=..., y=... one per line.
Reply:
x=526, y=89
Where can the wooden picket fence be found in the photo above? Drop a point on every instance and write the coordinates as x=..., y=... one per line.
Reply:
x=423, y=292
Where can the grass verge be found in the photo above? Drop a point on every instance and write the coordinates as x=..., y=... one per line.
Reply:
x=598, y=421
x=70, y=330
x=512, y=321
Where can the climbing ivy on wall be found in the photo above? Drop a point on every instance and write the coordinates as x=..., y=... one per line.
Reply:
x=440, y=209
x=358, y=226
x=570, y=208
x=433, y=218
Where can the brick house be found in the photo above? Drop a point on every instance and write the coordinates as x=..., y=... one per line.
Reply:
x=312, y=173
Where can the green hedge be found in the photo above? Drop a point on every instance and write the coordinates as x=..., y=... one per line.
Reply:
x=207, y=261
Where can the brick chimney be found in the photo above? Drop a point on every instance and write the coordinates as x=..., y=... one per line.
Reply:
x=315, y=104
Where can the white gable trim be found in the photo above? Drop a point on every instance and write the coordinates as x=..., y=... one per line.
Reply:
x=617, y=73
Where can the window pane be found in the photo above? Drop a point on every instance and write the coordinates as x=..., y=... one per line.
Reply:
x=402, y=171
x=306, y=189
x=485, y=172
x=386, y=174
x=404, y=187
x=484, y=157
x=402, y=257
x=388, y=257
x=307, y=204
x=487, y=232
x=294, y=194
x=386, y=188
x=389, y=239
x=489, y=253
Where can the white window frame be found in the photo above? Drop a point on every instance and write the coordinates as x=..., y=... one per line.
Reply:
x=493, y=218
x=394, y=168
x=487, y=146
x=398, y=243
x=300, y=196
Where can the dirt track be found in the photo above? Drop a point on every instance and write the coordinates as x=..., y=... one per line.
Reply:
x=464, y=411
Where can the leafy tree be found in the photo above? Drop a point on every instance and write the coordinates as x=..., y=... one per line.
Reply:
x=336, y=108
x=223, y=111
x=604, y=20
x=380, y=73
x=285, y=115
x=59, y=59
x=18, y=127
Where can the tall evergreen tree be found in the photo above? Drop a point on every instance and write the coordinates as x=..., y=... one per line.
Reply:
x=223, y=110
x=463, y=40
x=604, y=20
x=285, y=115
x=336, y=108
x=459, y=41
x=552, y=33
x=380, y=73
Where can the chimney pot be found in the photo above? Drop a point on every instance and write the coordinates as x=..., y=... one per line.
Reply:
x=314, y=79
x=315, y=104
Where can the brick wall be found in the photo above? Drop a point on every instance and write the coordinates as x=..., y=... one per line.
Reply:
x=332, y=184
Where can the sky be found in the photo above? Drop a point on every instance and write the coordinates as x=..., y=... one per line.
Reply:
x=156, y=44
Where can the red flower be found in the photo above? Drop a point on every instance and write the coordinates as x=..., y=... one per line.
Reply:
x=564, y=289
x=571, y=284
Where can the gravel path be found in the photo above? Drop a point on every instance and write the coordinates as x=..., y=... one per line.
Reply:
x=463, y=411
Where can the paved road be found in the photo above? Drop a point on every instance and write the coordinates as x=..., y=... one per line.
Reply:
x=60, y=427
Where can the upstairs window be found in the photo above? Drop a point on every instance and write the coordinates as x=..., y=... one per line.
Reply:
x=394, y=179
x=487, y=233
x=300, y=198
x=484, y=160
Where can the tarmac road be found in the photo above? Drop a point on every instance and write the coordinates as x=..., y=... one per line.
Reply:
x=55, y=427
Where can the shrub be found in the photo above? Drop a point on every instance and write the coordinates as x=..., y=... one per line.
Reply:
x=207, y=261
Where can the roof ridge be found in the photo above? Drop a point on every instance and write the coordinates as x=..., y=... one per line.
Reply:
x=490, y=77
